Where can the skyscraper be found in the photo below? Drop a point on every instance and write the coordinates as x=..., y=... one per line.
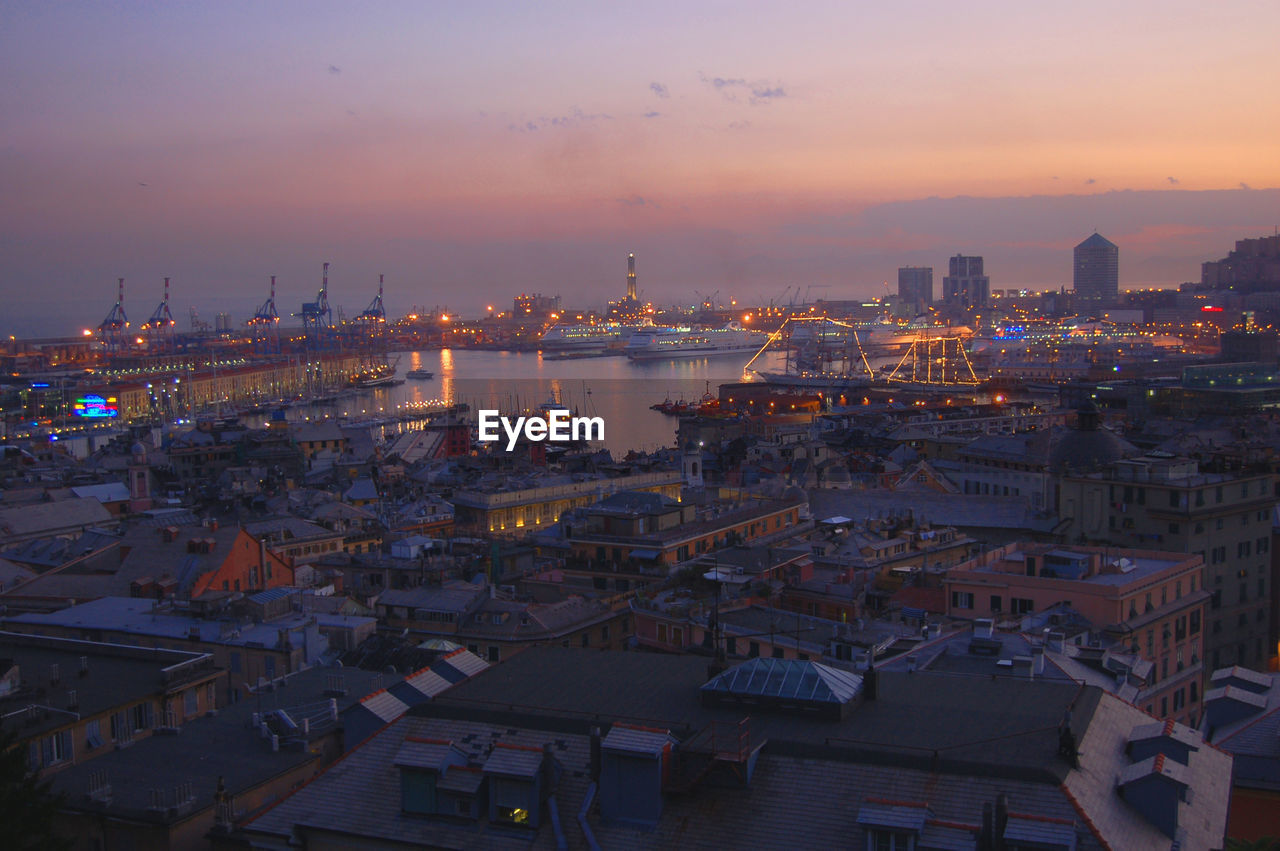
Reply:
x=631, y=277
x=1097, y=273
x=915, y=286
x=966, y=286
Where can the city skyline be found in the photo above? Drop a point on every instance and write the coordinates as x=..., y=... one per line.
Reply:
x=470, y=155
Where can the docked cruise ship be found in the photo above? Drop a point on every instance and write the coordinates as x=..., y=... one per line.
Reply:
x=583, y=338
x=686, y=342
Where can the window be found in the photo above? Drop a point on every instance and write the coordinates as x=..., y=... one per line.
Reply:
x=884, y=839
x=190, y=702
x=56, y=748
x=1020, y=605
x=585, y=639
x=140, y=716
x=754, y=649
x=1178, y=700
x=604, y=633
x=493, y=653
x=120, y=729
x=995, y=603
x=93, y=734
x=961, y=600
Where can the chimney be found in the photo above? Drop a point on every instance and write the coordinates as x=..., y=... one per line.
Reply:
x=548, y=769
x=1002, y=819
x=595, y=754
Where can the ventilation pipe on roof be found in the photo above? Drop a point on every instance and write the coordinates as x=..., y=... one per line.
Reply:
x=1002, y=819
x=595, y=754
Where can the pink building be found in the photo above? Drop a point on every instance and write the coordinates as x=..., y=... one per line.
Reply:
x=1144, y=605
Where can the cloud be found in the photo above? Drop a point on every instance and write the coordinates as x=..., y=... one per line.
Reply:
x=636, y=201
x=660, y=90
x=739, y=125
x=1091, y=181
x=736, y=89
x=1244, y=185
x=334, y=69
x=652, y=114
x=576, y=117
x=1173, y=181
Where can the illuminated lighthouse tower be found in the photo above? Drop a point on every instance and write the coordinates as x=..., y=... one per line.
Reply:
x=628, y=309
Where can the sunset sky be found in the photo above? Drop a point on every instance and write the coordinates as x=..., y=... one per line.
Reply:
x=471, y=151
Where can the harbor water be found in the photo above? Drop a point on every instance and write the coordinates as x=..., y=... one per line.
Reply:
x=614, y=388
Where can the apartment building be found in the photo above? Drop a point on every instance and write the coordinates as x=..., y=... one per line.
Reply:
x=1147, y=607
x=1166, y=503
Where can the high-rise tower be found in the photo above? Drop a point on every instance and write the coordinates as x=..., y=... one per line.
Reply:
x=966, y=286
x=915, y=286
x=631, y=277
x=1097, y=272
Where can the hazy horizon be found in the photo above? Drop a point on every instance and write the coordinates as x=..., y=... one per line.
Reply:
x=473, y=153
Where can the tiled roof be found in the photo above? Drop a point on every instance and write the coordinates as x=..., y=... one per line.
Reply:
x=624, y=737
x=1037, y=832
x=385, y=705
x=899, y=816
x=514, y=760
x=1167, y=729
x=463, y=661
x=1156, y=766
x=418, y=752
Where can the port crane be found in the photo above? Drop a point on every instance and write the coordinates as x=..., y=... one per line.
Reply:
x=160, y=326
x=115, y=326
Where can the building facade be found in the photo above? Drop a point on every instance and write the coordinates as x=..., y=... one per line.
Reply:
x=1096, y=273
x=1148, y=604
x=1168, y=504
x=966, y=285
x=915, y=286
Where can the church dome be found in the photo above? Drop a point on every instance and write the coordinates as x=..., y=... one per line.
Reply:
x=1088, y=446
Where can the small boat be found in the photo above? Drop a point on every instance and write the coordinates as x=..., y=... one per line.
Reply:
x=422, y=374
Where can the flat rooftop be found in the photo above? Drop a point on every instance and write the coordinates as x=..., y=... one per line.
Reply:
x=1005, y=727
